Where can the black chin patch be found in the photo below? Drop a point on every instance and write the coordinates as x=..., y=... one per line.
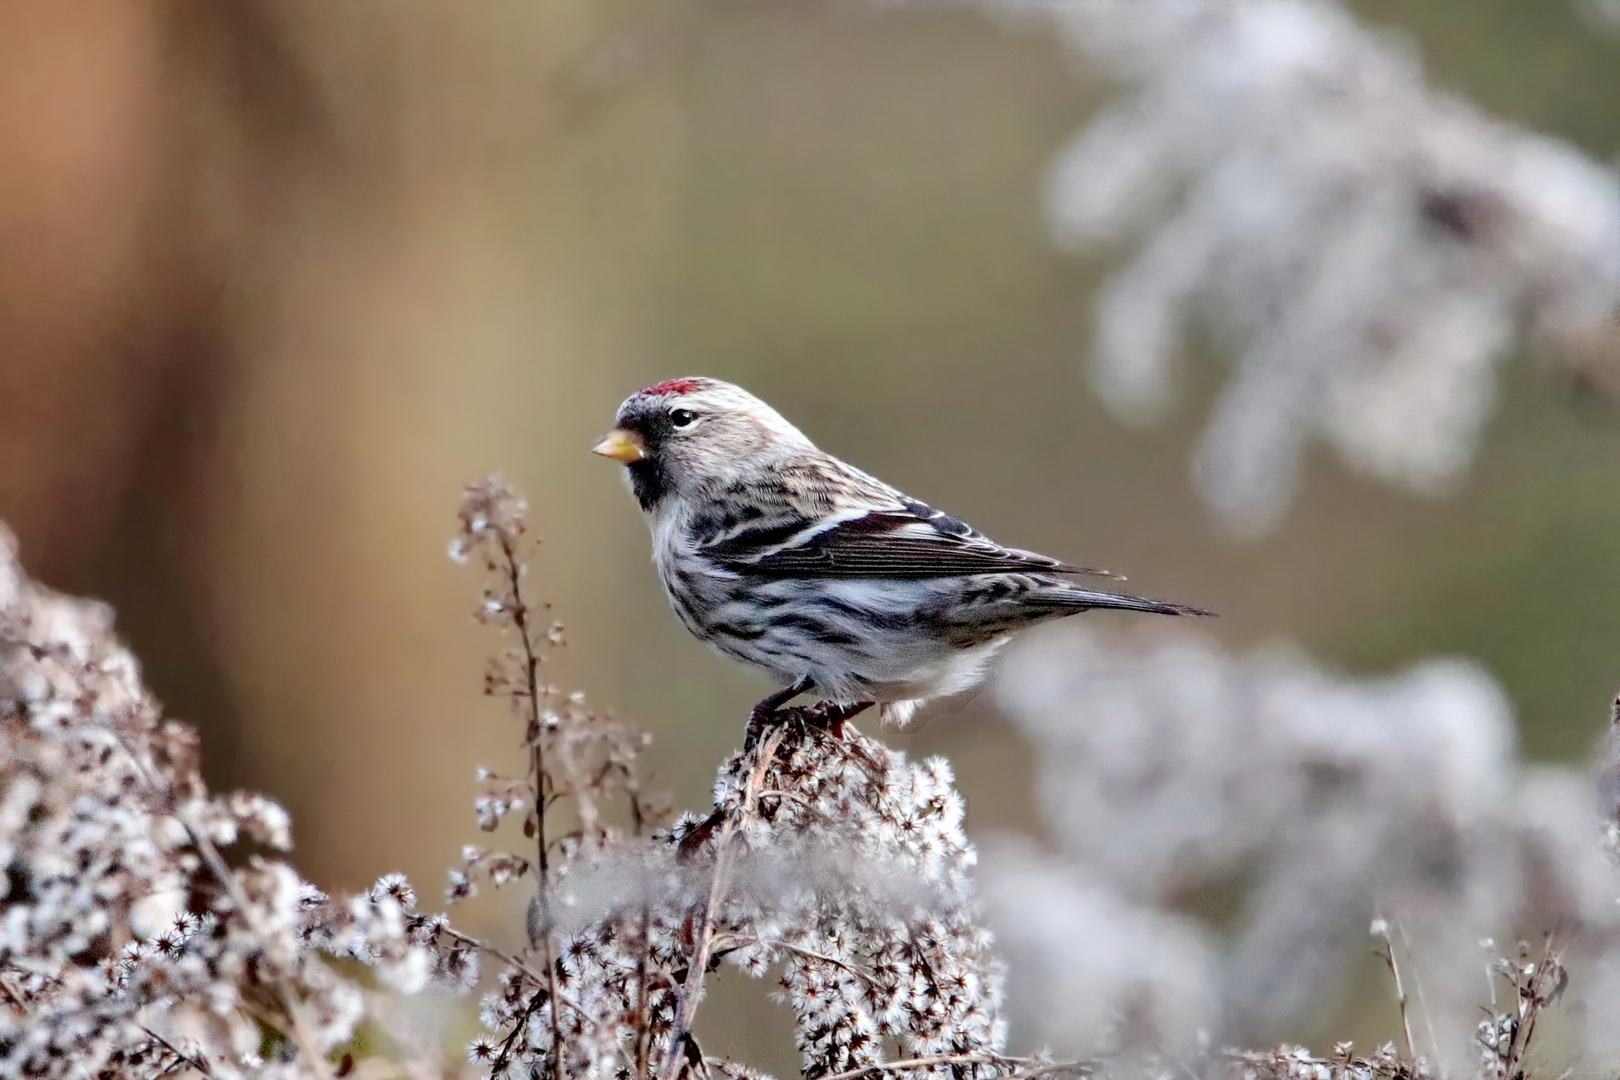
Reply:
x=647, y=481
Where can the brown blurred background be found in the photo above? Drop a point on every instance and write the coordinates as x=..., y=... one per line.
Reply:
x=277, y=279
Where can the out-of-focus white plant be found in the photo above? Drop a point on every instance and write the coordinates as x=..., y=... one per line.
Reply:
x=1363, y=247
x=1094, y=971
x=1171, y=773
x=128, y=945
x=1609, y=779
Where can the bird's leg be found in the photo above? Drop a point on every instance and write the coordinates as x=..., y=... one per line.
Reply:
x=766, y=710
x=769, y=710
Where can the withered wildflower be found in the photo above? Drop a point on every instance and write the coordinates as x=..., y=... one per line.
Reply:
x=129, y=946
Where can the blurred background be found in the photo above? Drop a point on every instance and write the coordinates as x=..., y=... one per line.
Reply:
x=278, y=279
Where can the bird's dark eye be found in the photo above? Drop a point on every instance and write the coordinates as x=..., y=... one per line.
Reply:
x=681, y=417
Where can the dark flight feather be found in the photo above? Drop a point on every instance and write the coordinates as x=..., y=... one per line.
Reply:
x=915, y=541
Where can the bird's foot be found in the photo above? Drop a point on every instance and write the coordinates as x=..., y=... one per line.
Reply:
x=829, y=717
x=758, y=720
x=770, y=712
x=824, y=716
x=763, y=715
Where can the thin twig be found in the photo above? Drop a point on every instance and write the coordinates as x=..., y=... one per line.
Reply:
x=1078, y=1068
x=1417, y=988
x=513, y=961
x=531, y=663
x=509, y=959
x=810, y=954
x=301, y=1035
x=644, y=961
x=686, y=1000
x=643, y=1012
x=12, y=995
x=801, y=802
x=184, y=1059
x=1069, y=1068
x=1382, y=928
x=504, y=1058
x=1534, y=995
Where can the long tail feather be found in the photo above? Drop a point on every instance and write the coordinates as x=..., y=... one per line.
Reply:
x=1087, y=599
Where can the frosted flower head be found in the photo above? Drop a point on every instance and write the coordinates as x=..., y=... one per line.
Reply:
x=1363, y=249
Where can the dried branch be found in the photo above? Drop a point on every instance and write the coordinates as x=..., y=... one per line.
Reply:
x=691, y=990
x=1035, y=1069
x=519, y=612
x=1380, y=929
x=297, y=1028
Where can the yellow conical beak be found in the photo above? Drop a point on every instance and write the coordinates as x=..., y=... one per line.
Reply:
x=621, y=445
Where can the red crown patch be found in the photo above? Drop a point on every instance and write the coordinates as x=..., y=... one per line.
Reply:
x=675, y=386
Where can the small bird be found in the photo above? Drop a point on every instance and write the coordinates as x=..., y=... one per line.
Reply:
x=782, y=556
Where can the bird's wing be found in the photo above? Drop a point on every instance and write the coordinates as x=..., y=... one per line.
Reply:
x=907, y=540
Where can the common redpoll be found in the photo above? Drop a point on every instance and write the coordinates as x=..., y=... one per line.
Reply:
x=785, y=557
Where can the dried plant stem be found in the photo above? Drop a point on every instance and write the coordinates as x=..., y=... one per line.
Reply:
x=1074, y=1068
x=1394, y=966
x=1064, y=1068
x=179, y=1058
x=686, y=1001
x=1417, y=991
x=643, y=1014
x=811, y=954
x=514, y=962
x=505, y=1056
x=644, y=960
x=531, y=668
x=1537, y=986
x=11, y=995
x=299, y=1031
x=302, y=1037
x=801, y=802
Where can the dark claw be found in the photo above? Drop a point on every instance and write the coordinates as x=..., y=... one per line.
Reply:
x=831, y=718
x=823, y=715
x=756, y=727
x=770, y=711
